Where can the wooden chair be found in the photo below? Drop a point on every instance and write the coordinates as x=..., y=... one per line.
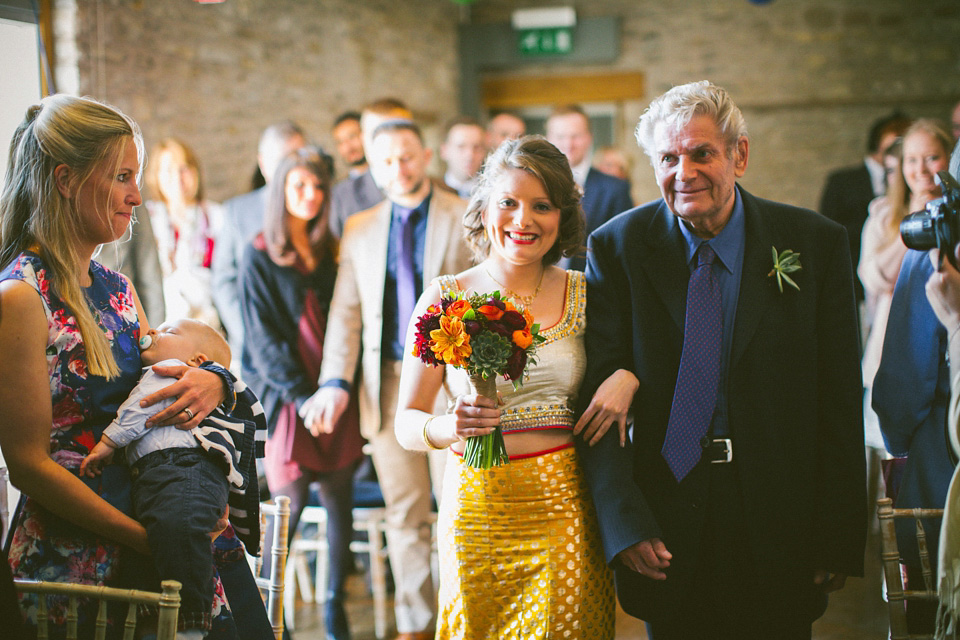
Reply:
x=897, y=596
x=371, y=521
x=272, y=587
x=4, y=504
x=168, y=603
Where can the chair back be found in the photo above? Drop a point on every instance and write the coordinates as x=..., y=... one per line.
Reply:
x=897, y=595
x=4, y=504
x=272, y=587
x=168, y=603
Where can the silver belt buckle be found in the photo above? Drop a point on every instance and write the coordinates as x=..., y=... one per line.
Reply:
x=728, y=449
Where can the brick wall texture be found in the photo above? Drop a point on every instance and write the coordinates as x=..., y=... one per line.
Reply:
x=810, y=75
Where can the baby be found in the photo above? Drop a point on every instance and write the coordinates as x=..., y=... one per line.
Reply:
x=181, y=478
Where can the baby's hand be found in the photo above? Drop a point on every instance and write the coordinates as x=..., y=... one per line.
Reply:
x=100, y=455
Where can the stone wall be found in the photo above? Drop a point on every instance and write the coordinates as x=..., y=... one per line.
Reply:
x=216, y=74
x=810, y=74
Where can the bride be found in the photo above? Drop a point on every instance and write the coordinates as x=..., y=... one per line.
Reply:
x=520, y=549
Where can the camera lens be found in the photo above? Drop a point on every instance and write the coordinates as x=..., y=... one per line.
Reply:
x=919, y=231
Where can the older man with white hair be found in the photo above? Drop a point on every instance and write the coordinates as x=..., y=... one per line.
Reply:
x=740, y=500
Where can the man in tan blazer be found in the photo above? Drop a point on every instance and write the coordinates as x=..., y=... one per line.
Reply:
x=365, y=325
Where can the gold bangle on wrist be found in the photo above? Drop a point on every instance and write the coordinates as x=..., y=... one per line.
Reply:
x=426, y=437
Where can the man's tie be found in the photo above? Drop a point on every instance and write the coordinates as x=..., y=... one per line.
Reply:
x=695, y=396
x=406, y=274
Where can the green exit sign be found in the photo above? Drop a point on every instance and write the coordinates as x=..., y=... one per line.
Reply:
x=545, y=41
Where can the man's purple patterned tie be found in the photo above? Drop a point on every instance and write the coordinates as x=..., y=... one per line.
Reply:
x=695, y=396
x=406, y=274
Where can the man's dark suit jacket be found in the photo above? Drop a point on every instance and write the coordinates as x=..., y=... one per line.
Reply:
x=794, y=400
x=845, y=199
x=242, y=220
x=914, y=424
x=604, y=196
x=350, y=196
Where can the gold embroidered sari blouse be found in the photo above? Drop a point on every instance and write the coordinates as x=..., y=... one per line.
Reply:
x=548, y=397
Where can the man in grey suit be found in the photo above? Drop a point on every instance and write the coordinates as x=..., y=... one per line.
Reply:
x=360, y=191
x=377, y=286
x=357, y=191
x=242, y=219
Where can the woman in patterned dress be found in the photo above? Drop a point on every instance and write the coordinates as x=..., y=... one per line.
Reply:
x=69, y=332
x=520, y=549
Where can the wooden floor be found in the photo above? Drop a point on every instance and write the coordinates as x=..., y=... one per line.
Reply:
x=855, y=613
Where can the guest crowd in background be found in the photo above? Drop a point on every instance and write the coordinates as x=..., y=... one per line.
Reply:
x=313, y=281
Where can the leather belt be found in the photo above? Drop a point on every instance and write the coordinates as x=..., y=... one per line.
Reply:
x=717, y=450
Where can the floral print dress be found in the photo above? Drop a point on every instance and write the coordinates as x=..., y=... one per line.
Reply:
x=44, y=546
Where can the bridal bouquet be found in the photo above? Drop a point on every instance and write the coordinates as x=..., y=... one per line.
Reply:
x=487, y=336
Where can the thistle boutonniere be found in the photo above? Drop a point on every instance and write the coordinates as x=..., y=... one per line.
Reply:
x=784, y=263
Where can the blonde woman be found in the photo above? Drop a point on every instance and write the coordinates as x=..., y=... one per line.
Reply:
x=184, y=224
x=912, y=164
x=69, y=331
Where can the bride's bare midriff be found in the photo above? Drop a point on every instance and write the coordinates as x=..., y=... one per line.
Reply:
x=527, y=442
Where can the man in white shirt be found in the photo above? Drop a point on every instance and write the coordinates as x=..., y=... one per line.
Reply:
x=463, y=150
x=849, y=190
x=504, y=126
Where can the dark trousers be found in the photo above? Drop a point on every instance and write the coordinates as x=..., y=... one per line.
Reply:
x=335, y=489
x=728, y=598
x=178, y=496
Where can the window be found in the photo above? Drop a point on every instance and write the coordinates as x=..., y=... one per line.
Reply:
x=20, y=80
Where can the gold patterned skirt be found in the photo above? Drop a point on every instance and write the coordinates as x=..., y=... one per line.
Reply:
x=520, y=552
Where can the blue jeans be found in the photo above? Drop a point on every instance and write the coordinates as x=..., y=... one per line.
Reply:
x=178, y=496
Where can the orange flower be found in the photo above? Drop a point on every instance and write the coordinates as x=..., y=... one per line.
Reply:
x=522, y=338
x=458, y=308
x=491, y=312
x=450, y=342
x=508, y=305
x=528, y=317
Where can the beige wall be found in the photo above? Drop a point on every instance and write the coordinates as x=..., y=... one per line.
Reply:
x=810, y=74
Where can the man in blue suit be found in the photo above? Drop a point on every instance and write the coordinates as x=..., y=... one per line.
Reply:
x=767, y=514
x=914, y=423
x=604, y=196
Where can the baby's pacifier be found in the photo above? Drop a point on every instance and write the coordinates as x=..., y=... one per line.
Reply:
x=145, y=342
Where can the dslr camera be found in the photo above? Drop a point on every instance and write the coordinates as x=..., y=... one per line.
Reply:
x=938, y=225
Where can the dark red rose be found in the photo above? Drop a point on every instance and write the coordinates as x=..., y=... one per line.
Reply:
x=499, y=327
x=498, y=303
x=516, y=363
x=472, y=327
x=513, y=320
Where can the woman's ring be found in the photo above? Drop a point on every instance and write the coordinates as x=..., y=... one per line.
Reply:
x=189, y=413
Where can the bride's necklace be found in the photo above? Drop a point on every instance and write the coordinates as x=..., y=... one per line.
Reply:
x=526, y=301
